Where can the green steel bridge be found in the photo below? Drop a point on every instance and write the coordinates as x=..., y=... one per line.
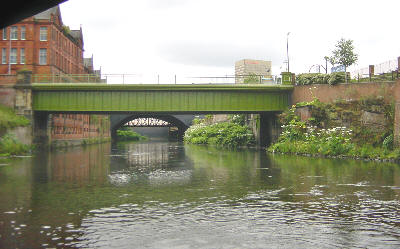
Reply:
x=159, y=99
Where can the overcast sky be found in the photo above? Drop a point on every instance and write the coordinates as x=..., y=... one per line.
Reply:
x=206, y=37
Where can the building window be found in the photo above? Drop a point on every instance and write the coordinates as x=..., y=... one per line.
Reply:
x=22, y=55
x=3, y=56
x=13, y=56
x=43, y=33
x=23, y=33
x=14, y=33
x=43, y=56
x=4, y=33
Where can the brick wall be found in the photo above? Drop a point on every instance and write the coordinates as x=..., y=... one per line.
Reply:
x=328, y=93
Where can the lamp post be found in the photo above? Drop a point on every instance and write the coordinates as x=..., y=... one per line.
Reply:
x=326, y=64
x=287, y=51
x=9, y=50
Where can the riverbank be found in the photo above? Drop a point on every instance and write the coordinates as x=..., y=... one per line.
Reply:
x=9, y=144
x=354, y=129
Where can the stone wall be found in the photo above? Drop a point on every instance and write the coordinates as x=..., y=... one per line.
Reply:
x=389, y=92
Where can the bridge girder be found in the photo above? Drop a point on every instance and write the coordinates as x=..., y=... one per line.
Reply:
x=147, y=122
x=111, y=98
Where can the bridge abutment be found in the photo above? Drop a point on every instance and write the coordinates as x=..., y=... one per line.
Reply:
x=265, y=128
x=41, y=128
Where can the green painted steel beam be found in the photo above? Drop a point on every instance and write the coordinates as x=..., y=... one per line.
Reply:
x=110, y=98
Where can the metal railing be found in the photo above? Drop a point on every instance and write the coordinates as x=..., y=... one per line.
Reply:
x=67, y=78
x=153, y=79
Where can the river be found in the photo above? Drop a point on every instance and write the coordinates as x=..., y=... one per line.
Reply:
x=170, y=195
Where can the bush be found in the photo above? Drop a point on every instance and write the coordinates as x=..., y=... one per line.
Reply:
x=128, y=135
x=225, y=134
x=312, y=78
x=9, y=145
x=336, y=78
x=319, y=78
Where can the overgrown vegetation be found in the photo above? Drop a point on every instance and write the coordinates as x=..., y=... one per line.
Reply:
x=227, y=134
x=125, y=134
x=9, y=145
x=8, y=119
x=319, y=78
x=335, y=78
x=321, y=135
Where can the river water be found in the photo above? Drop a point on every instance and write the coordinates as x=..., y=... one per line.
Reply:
x=170, y=195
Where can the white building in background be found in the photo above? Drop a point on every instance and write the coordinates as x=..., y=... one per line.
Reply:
x=381, y=68
x=246, y=67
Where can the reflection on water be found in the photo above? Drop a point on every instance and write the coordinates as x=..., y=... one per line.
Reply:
x=167, y=195
x=154, y=163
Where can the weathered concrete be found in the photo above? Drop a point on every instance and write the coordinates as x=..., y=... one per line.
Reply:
x=41, y=131
x=23, y=134
x=265, y=128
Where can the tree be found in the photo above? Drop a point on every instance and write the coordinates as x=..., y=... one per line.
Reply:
x=344, y=54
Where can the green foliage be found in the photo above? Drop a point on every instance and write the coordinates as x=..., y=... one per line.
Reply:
x=239, y=119
x=309, y=137
x=251, y=79
x=388, y=142
x=225, y=134
x=312, y=78
x=344, y=53
x=8, y=119
x=319, y=78
x=128, y=135
x=336, y=78
x=9, y=145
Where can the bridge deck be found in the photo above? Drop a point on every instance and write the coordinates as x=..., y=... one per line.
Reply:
x=110, y=98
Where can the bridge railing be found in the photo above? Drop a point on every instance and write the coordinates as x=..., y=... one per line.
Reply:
x=153, y=79
x=67, y=78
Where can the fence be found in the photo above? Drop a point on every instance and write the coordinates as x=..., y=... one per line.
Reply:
x=67, y=78
x=378, y=69
x=152, y=79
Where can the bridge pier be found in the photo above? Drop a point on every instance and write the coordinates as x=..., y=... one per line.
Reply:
x=41, y=128
x=265, y=128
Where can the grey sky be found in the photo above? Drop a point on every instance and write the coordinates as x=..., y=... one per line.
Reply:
x=206, y=37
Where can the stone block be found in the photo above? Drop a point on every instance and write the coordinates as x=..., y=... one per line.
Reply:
x=397, y=125
x=304, y=112
x=375, y=121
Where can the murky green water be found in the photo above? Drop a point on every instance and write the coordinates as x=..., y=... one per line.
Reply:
x=166, y=195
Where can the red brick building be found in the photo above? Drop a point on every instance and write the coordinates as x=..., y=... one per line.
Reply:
x=44, y=45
